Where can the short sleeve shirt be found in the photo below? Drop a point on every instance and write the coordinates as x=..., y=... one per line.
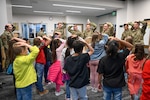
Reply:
x=112, y=69
x=76, y=67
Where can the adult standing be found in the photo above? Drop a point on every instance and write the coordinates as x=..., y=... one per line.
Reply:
x=90, y=28
x=108, y=29
x=0, y=56
x=75, y=31
x=41, y=32
x=137, y=32
x=126, y=33
x=6, y=37
x=60, y=28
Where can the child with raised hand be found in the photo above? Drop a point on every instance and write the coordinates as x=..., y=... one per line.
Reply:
x=134, y=70
x=76, y=67
x=98, y=43
x=55, y=71
x=24, y=72
x=146, y=78
x=110, y=68
x=65, y=53
x=41, y=43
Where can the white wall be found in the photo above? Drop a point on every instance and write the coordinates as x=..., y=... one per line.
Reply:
x=3, y=18
x=80, y=20
x=107, y=18
x=9, y=11
x=38, y=19
x=141, y=9
x=6, y=14
x=129, y=11
x=121, y=18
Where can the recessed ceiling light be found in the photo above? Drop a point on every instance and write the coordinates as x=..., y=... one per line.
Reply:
x=83, y=7
x=73, y=11
x=48, y=12
x=22, y=6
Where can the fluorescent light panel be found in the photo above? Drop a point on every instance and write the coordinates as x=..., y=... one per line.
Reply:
x=73, y=11
x=83, y=7
x=48, y=12
x=22, y=6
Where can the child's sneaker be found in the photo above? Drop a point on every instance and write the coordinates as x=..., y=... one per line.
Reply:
x=60, y=92
x=94, y=90
x=89, y=87
x=48, y=83
x=43, y=92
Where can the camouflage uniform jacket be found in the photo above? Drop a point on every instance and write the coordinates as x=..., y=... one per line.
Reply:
x=126, y=33
x=139, y=33
x=41, y=33
x=6, y=37
x=76, y=32
x=137, y=36
x=110, y=30
x=89, y=33
x=61, y=30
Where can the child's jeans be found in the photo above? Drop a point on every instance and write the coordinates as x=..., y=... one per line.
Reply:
x=67, y=89
x=79, y=93
x=108, y=92
x=46, y=67
x=24, y=93
x=39, y=71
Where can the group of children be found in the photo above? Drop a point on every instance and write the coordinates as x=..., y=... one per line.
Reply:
x=103, y=57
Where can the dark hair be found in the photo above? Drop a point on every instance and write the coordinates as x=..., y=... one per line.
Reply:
x=42, y=28
x=37, y=41
x=112, y=48
x=13, y=28
x=69, y=43
x=55, y=44
x=139, y=52
x=26, y=39
x=78, y=46
x=125, y=24
x=6, y=26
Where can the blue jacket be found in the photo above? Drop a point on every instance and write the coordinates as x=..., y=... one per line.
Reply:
x=99, y=48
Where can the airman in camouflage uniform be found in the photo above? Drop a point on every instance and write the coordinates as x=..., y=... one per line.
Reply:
x=108, y=29
x=41, y=33
x=137, y=32
x=60, y=28
x=127, y=32
x=90, y=28
x=75, y=31
x=6, y=37
x=1, y=68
